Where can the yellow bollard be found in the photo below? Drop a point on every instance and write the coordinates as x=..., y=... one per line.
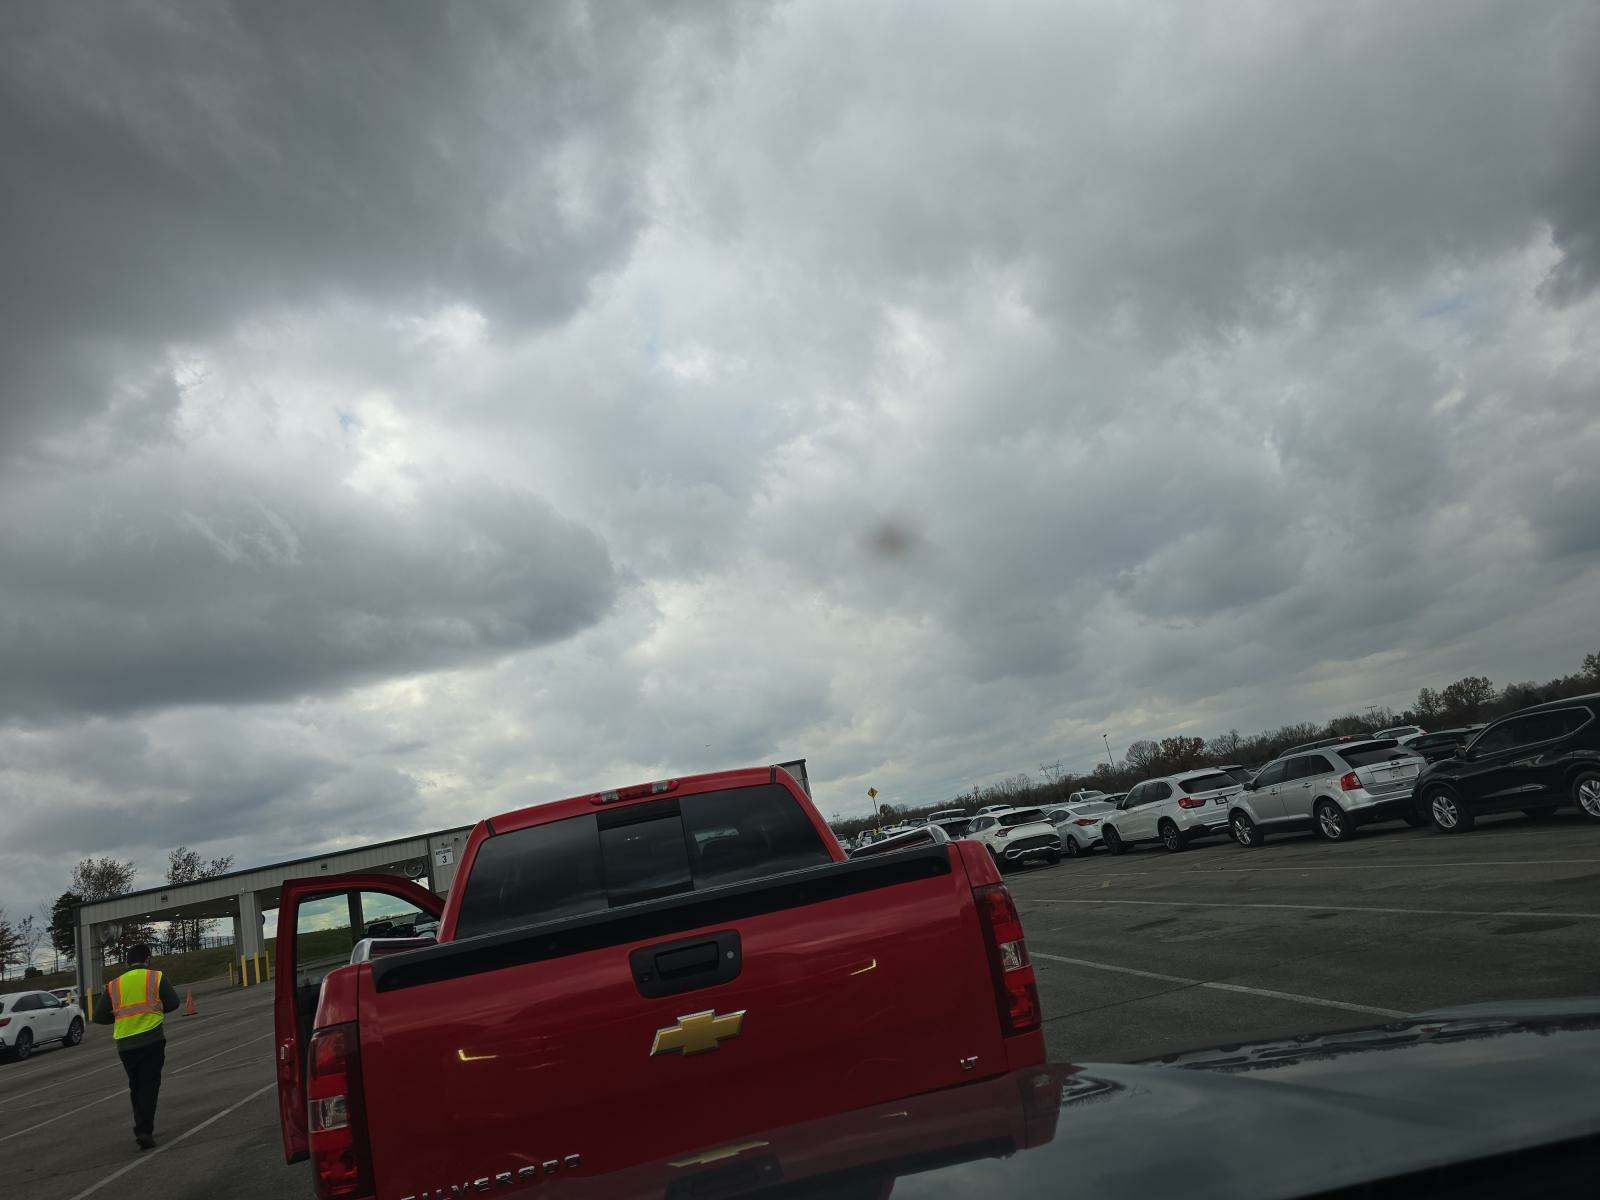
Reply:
x=244, y=971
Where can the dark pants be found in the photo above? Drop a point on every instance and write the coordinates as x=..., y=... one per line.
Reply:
x=144, y=1083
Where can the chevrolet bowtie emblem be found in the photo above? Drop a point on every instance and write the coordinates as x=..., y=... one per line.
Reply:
x=697, y=1033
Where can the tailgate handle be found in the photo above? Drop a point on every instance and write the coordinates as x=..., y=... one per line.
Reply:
x=667, y=968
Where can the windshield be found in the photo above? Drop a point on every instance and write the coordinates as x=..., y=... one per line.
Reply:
x=563, y=463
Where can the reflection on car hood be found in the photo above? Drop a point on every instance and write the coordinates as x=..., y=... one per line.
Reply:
x=1262, y=1119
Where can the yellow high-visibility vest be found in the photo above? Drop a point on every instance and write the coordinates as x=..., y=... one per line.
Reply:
x=135, y=1002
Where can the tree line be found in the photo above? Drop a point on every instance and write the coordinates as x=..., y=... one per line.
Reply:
x=104, y=878
x=1468, y=701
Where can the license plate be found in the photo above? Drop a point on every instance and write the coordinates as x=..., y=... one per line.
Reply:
x=1222, y=799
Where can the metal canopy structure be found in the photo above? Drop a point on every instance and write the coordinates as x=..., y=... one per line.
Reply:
x=247, y=895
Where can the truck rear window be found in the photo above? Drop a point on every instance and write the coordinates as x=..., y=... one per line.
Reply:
x=605, y=859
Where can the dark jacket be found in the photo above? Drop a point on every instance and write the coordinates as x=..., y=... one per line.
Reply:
x=104, y=1016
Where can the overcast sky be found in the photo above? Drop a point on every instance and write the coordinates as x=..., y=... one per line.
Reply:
x=409, y=413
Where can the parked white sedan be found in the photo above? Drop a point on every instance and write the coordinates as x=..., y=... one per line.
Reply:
x=28, y=1019
x=1078, y=825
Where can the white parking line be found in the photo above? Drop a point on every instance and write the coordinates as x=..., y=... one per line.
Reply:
x=1375, y=866
x=165, y=1146
x=124, y=1091
x=1418, y=912
x=1215, y=985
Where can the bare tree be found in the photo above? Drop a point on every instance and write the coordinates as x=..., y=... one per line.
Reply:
x=29, y=933
x=101, y=879
x=9, y=944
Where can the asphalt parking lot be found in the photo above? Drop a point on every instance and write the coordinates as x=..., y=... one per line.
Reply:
x=1152, y=952
x=1136, y=956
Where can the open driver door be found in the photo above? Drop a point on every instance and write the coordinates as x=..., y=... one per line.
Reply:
x=310, y=945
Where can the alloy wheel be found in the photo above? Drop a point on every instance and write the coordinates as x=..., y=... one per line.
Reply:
x=1444, y=811
x=1243, y=832
x=1332, y=823
x=1589, y=795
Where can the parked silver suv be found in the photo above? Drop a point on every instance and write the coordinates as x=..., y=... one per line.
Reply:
x=1174, y=810
x=1329, y=791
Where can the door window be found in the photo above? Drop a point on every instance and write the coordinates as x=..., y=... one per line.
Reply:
x=327, y=928
x=1308, y=766
x=1270, y=774
x=1544, y=727
x=1154, y=792
x=29, y=1003
x=1530, y=730
x=1133, y=798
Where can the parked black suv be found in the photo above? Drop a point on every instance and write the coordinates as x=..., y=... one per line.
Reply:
x=1535, y=760
x=1446, y=743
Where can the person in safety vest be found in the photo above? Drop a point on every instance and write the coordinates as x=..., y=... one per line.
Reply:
x=135, y=1004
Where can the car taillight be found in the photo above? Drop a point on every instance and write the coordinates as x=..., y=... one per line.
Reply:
x=1349, y=782
x=1002, y=832
x=1016, y=993
x=341, y=1161
x=1190, y=802
x=4, y=1021
x=1087, y=821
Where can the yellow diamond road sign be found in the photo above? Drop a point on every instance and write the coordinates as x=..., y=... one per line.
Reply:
x=873, y=793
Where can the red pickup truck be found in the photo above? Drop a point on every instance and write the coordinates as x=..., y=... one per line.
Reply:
x=624, y=975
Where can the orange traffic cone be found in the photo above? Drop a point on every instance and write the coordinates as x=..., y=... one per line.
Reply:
x=188, y=1004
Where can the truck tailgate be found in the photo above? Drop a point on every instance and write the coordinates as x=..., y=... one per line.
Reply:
x=857, y=983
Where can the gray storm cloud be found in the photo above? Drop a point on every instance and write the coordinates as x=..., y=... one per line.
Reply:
x=409, y=413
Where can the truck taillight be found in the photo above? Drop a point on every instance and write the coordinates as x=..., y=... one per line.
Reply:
x=1350, y=783
x=1015, y=992
x=1190, y=802
x=341, y=1160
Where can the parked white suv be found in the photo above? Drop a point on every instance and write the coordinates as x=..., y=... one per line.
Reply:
x=29, y=1018
x=1329, y=791
x=1172, y=810
x=1017, y=834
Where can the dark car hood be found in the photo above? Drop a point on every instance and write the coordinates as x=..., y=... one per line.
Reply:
x=1263, y=1119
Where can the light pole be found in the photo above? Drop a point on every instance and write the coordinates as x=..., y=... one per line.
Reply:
x=1109, y=761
